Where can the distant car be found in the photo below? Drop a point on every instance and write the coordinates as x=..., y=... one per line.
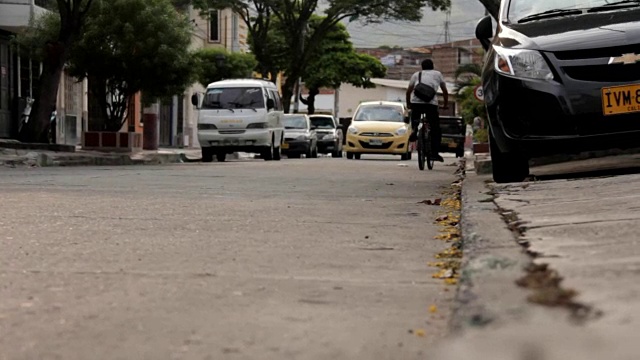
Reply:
x=329, y=133
x=453, y=135
x=560, y=77
x=379, y=127
x=299, y=137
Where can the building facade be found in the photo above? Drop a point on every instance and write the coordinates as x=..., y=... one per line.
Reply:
x=19, y=77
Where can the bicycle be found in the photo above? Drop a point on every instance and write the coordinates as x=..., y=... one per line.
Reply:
x=424, y=144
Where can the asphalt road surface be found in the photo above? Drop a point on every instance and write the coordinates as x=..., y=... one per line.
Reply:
x=298, y=259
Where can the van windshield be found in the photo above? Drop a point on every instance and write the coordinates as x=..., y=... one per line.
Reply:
x=234, y=98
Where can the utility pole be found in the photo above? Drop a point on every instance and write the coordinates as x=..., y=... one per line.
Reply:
x=446, y=27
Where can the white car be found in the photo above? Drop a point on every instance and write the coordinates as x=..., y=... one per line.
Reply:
x=243, y=115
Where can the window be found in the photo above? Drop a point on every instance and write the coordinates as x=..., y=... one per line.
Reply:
x=464, y=57
x=214, y=26
x=276, y=99
x=379, y=113
x=234, y=98
x=298, y=122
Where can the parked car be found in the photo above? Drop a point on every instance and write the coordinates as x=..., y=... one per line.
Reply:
x=379, y=127
x=453, y=135
x=560, y=77
x=299, y=136
x=329, y=132
x=240, y=115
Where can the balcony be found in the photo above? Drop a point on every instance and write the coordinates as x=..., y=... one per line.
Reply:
x=15, y=14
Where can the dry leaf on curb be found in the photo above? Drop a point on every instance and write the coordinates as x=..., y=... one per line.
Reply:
x=420, y=332
x=433, y=309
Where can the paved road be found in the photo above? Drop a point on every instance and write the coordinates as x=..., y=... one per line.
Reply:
x=298, y=259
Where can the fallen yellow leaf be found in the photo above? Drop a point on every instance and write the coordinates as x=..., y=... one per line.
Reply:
x=420, y=332
x=433, y=309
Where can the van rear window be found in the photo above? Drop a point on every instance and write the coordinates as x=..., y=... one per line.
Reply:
x=234, y=98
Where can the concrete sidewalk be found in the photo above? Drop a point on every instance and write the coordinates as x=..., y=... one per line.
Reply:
x=41, y=158
x=550, y=271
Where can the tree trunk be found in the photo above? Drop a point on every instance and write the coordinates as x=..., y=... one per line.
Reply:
x=287, y=92
x=311, y=100
x=45, y=100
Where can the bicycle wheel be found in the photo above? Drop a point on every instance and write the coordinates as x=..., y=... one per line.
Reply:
x=421, y=149
x=427, y=150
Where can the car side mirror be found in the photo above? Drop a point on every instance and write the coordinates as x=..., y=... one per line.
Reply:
x=484, y=31
x=313, y=127
x=271, y=104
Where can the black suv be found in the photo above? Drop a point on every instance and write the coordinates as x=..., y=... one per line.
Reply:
x=560, y=76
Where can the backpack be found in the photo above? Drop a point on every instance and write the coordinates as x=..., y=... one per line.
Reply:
x=422, y=91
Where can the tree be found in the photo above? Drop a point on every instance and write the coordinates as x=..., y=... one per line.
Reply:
x=217, y=64
x=336, y=62
x=466, y=75
x=295, y=15
x=130, y=46
x=72, y=14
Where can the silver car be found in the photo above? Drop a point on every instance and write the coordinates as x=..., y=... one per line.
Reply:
x=330, y=135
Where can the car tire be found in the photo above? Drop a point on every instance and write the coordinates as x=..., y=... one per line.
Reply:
x=336, y=154
x=277, y=153
x=357, y=156
x=221, y=157
x=460, y=152
x=207, y=154
x=350, y=155
x=409, y=155
x=507, y=167
x=267, y=153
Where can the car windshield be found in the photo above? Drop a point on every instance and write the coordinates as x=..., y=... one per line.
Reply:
x=322, y=122
x=234, y=98
x=521, y=9
x=379, y=113
x=295, y=122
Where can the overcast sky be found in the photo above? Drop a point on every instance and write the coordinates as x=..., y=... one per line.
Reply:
x=464, y=16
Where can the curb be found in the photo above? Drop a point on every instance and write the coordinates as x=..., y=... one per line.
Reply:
x=37, y=159
x=492, y=263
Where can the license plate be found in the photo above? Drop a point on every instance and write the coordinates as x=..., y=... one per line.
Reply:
x=376, y=142
x=231, y=142
x=621, y=99
x=231, y=121
x=285, y=146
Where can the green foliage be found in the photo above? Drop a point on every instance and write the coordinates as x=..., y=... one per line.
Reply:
x=335, y=62
x=470, y=107
x=233, y=65
x=41, y=30
x=481, y=136
x=130, y=46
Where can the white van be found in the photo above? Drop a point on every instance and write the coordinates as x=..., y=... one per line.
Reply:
x=242, y=115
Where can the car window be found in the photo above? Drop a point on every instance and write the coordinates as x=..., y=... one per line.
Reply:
x=234, y=98
x=519, y=9
x=322, y=122
x=379, y=113
x=295, y=122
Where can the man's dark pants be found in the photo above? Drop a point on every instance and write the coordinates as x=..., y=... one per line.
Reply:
x=432, y=115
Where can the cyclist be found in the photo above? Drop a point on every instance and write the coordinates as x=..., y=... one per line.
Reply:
x=433, y=78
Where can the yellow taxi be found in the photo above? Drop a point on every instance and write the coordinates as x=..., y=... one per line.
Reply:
x=379, y=127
